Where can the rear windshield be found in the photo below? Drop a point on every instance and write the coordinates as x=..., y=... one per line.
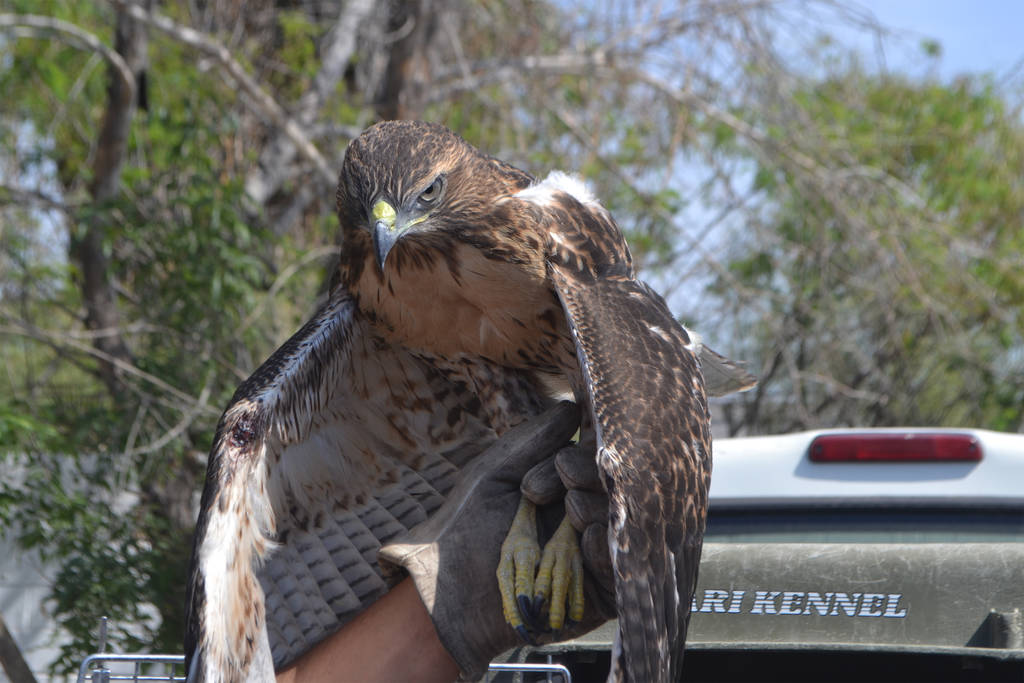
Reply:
x=865, y=525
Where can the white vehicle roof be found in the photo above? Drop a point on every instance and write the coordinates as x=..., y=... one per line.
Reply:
x=777, y=469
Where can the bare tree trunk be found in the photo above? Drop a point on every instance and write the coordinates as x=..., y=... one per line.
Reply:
x=335, y=53
x=11, y=658
x=130, y=42
x=402, y=93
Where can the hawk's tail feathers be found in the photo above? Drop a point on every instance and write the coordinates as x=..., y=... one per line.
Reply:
x=653, y=592
x=722, y=376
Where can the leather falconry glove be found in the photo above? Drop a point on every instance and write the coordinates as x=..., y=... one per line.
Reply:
x=572, y=475
x=453, y=556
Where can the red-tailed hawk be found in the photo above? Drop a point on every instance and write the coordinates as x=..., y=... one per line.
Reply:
x=468, y=296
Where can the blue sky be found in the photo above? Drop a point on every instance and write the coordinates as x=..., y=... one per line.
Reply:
x=976, y=35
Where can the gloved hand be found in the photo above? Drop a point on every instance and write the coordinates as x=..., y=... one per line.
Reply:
x=572, y=475
x=453, y=556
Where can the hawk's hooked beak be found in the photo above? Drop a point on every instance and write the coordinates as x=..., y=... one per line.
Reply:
x=385, y=232
x=388, y=226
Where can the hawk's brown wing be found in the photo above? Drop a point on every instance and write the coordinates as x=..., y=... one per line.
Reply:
x=654, y=451
x=337, y=443
x=642, y=376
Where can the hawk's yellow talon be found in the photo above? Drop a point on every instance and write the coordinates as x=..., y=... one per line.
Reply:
x=561, y=576
x=519, y=556
x=558, y=571
x=576, y=589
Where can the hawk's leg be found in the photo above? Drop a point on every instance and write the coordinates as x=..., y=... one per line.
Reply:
x=559, y=584
x=532, y=583
x=527, y=590
x=520, y=554
x=560, y=577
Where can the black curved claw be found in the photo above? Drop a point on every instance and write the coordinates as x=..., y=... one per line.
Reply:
x=524, y=609
x=537, y=608
x=530, y=616
x=525, y=635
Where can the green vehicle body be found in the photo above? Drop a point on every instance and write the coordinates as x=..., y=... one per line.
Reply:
x=916, y=575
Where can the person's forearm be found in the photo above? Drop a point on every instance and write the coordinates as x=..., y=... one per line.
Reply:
x=393, y=640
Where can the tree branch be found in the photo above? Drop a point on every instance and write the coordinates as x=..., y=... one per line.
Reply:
x=188, y=417
x=336, y=51
x=61, y=340
x=489, y=72
x=22, y=196
x=34, y=26
x=13, y=661
x=280, y=280
x=266, y=104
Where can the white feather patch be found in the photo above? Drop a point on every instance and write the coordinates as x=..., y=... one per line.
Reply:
x=615, y=674
x=695, y=341
x=660, y=333
x=558, y=181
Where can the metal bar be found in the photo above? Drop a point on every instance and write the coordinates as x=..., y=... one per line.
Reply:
x=534, y=668
x=98, y=675
x=98, y=664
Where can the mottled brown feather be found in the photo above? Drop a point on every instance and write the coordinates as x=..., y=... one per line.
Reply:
x=654, y=451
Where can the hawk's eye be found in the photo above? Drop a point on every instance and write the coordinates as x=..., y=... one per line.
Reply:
x=431, y=194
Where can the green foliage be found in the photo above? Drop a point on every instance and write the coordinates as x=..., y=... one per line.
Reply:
x=298, y=51
x=895, y=294
x=189, y=267
x=105, y=563
x=932, y=48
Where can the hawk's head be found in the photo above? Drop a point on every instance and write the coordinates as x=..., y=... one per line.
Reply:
x=416, y=183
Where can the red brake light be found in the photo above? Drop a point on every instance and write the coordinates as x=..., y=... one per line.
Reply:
x=906, y=447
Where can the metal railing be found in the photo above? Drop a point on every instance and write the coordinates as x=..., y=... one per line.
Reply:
x=524, y=667
x=106, y=667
